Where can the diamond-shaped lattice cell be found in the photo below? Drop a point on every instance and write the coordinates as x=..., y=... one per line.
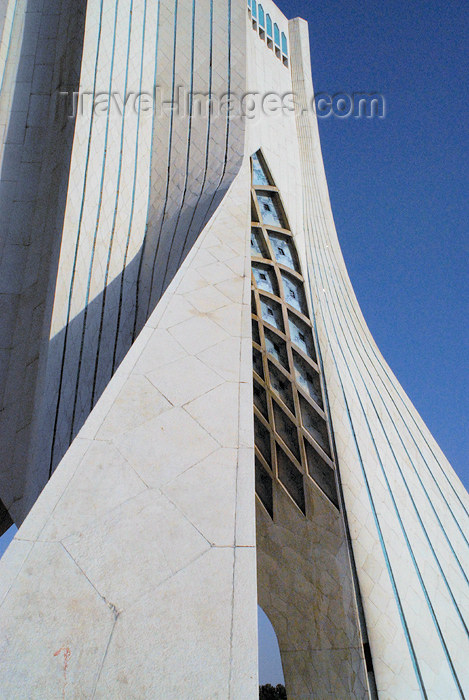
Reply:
x=265, y=278
x=291, y=478
x=301, y=335
x=260, y=400
x=275, y=345
x=286, y=430
x=315, y=425
x=294, y=293
x=308, y=379
x=272, y=313
x=284, y=250
x=262, y=438
x=264, y=488
x=282, y=386
x=258, y=245
x=257, y=363
x=321, y=473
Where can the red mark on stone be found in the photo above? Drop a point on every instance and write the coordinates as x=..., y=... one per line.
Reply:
x=67, y=654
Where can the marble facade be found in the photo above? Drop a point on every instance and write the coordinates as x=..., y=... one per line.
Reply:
x=126, y=367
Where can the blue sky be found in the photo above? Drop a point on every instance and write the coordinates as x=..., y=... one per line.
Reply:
x=399, y=192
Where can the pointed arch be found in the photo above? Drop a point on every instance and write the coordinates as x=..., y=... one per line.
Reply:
x=299, y=524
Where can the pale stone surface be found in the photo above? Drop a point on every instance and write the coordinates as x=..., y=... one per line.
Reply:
x=108, y=545
x=213, y=480
x=196, y=334
x=177, y=625
x=137, y=403
x=161, y=349
x=183, y=380
x=166, y=446
x=14, y=559
x=224, y=358
x=149, y=509
x=245, y=527
x=103, y=480
x=221, y=425
x=58, y=598
x=243, y=637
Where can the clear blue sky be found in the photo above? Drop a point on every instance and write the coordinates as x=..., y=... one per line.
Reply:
x=399, y=192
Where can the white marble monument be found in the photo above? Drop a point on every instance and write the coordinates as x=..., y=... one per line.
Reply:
x=195, y=417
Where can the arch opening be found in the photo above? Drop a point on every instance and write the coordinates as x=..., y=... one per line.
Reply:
x=305, y=586
x=270, y=660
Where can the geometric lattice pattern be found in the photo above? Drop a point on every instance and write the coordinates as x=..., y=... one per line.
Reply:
x=292, y=436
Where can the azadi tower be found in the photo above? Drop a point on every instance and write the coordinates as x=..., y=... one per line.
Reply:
x=194, y=416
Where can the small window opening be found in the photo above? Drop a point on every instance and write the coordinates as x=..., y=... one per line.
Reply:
x=284, y=45
x=261, y=17
x=291, y=478
x=261, y=22
x=276, y=34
